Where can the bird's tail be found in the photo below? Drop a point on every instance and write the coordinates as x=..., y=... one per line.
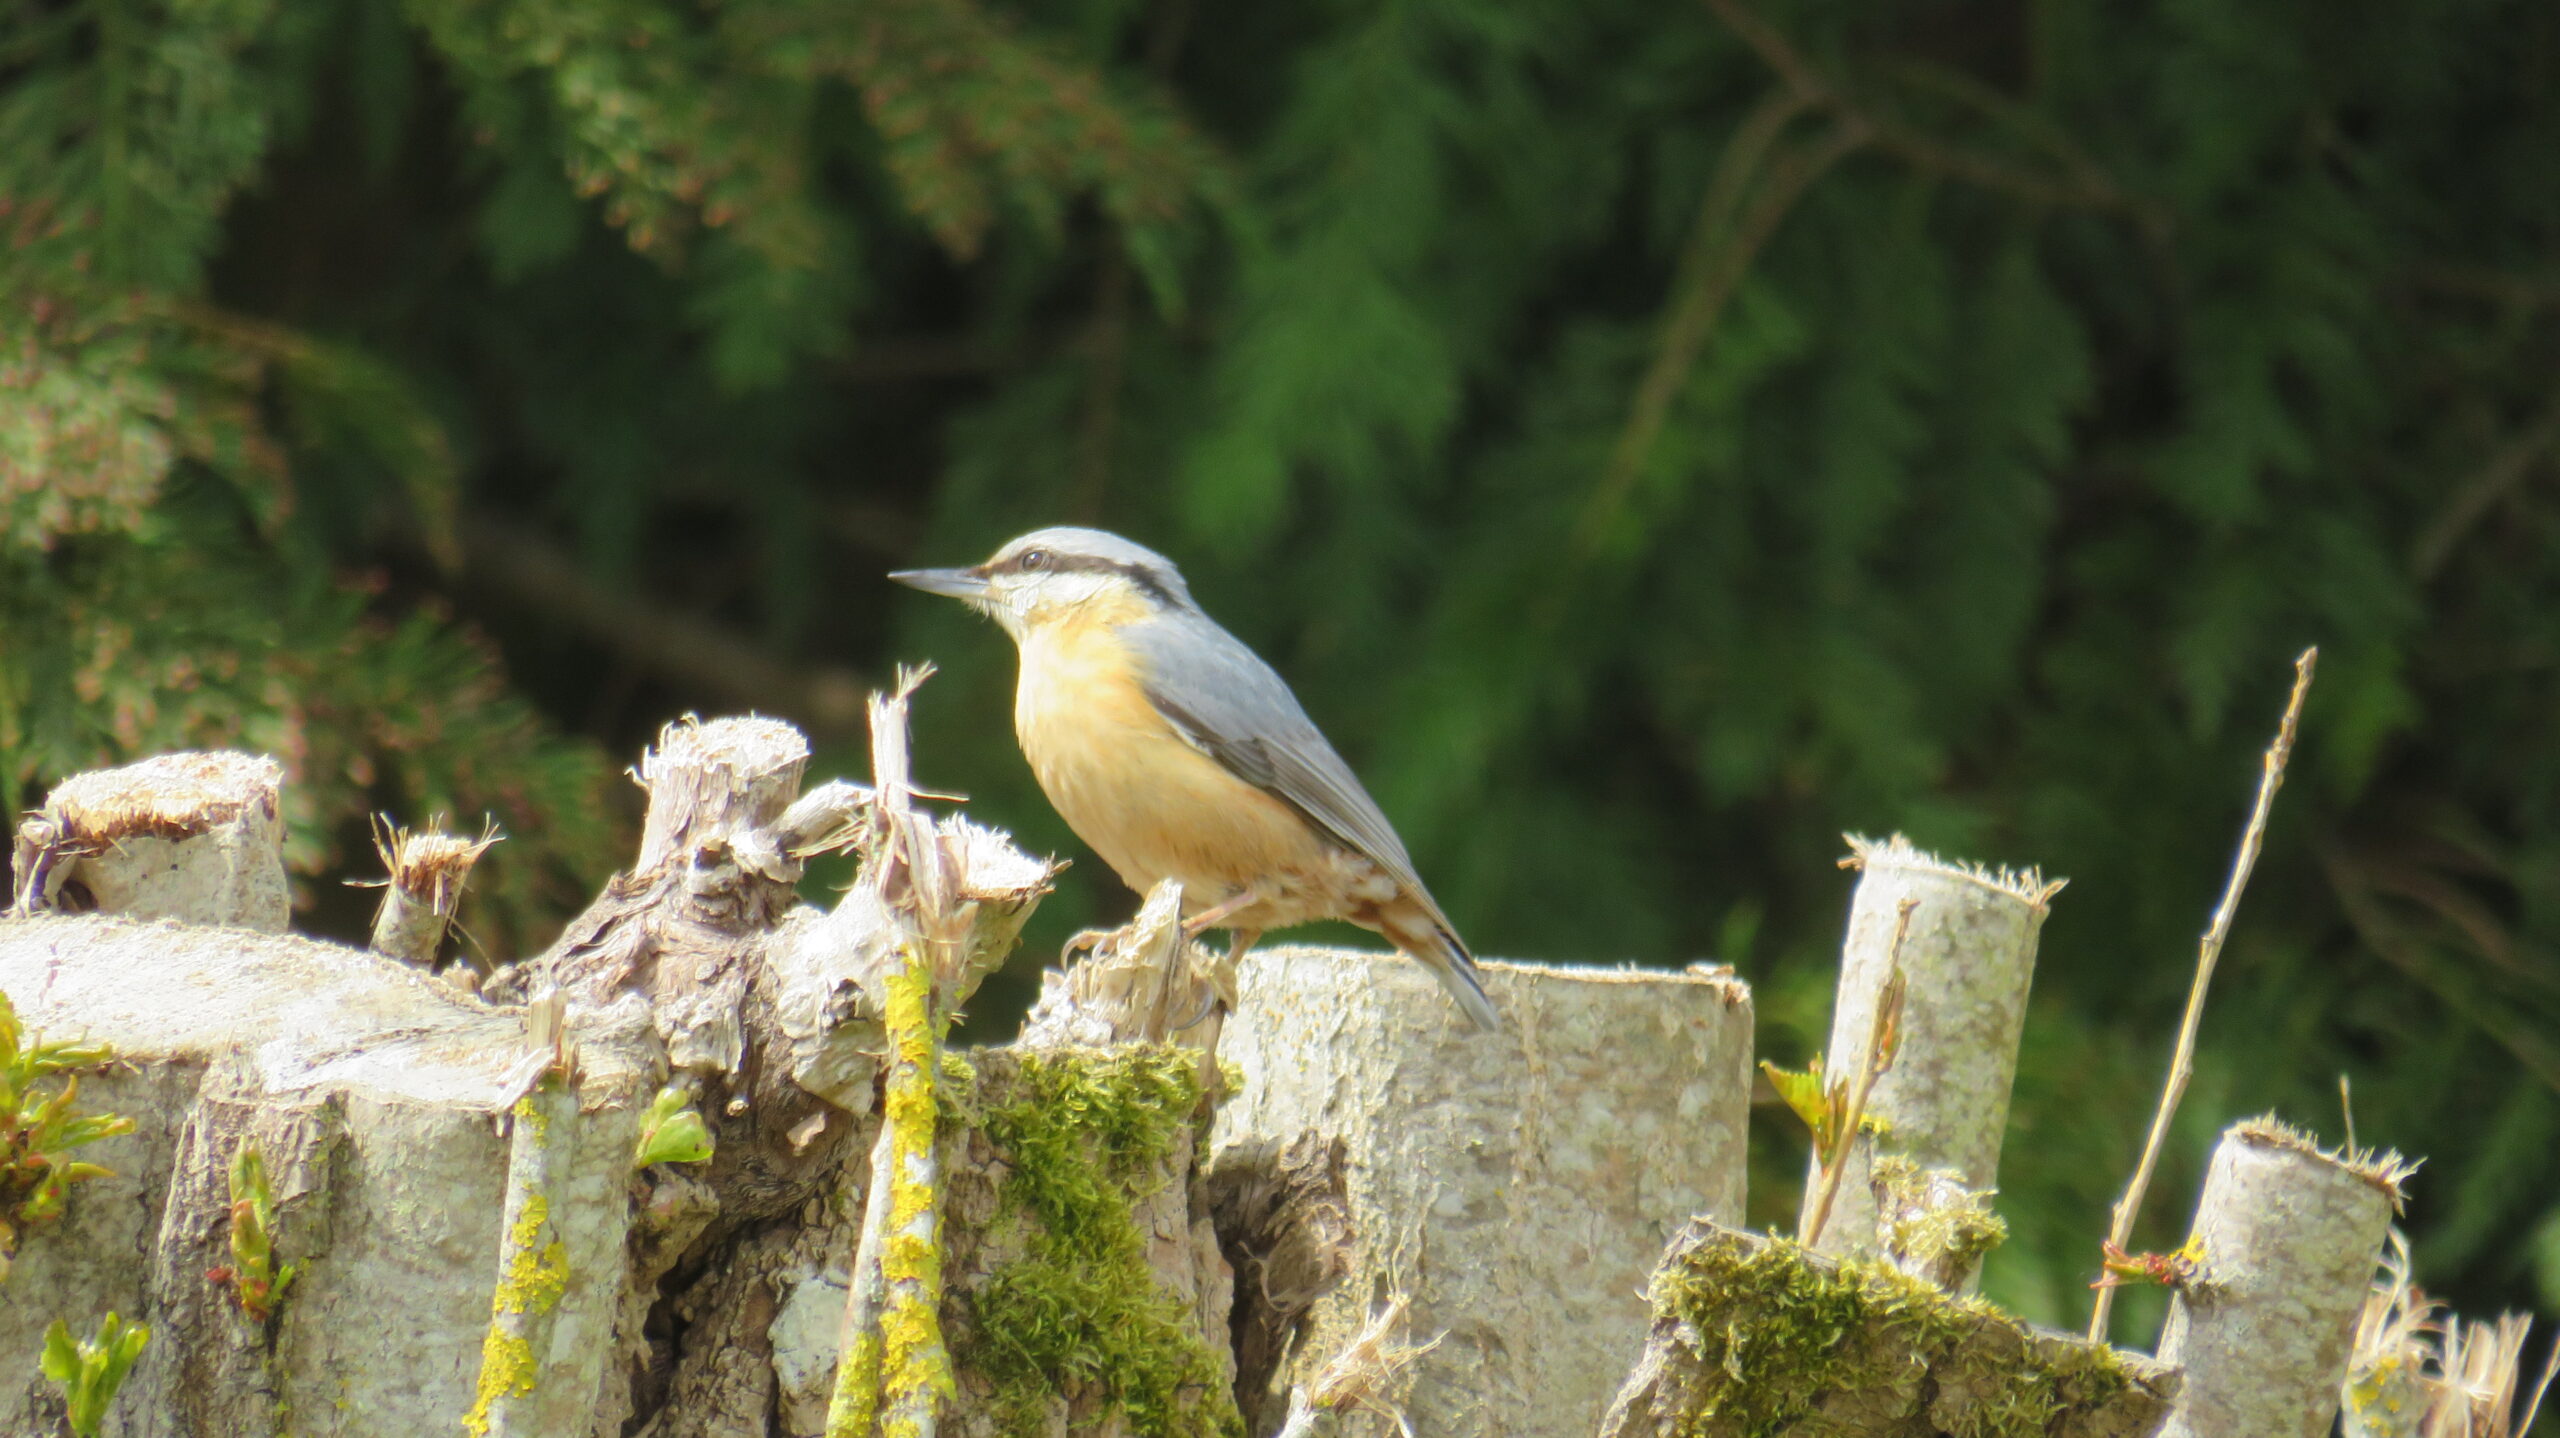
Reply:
x=1432, y=945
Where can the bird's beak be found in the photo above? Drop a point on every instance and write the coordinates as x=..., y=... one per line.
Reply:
x=968, y=584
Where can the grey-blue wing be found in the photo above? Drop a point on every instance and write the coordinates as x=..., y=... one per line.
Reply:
x=1242, y=714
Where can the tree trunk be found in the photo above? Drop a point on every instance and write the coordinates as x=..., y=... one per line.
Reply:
x=1514, y=1186
x=2287, y=1238
x=1943, y=1104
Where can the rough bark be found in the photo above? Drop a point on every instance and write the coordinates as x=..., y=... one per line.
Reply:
x=1143, y=983
x=1755, y=1337
x=370, y=1090
x=380, y=1099
x=181, y=836
x=2287, y=1236
x=1967, y=961
x=1515, y=1186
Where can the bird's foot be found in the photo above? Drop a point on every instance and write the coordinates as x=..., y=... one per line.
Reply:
x=1085, y=943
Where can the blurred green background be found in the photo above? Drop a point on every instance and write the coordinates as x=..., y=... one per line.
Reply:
x=1654, y=438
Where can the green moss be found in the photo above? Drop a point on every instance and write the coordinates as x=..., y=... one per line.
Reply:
x=1778, y=1338
x=1082, y=1131
x=1946, y=1237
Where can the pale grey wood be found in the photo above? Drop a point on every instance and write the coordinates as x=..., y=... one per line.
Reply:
x=2289, y=1236
x=187, y=836
x=1516, y=1186
x=1967, y=961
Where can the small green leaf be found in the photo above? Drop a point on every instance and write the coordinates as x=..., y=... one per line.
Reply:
x=1803, y=1091
x=61, y=1361
x=672, y=1132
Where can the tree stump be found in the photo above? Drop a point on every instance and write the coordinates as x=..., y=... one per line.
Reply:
x=1514, y=1186
x=197, y=837
x=2287, y=1236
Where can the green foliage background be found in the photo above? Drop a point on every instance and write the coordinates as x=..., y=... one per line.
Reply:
x=1655, y=438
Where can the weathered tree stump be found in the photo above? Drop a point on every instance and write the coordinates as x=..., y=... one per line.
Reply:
x=1515, y=1186
x=2286, y=1240
x=197, y=837
x=1966, y=960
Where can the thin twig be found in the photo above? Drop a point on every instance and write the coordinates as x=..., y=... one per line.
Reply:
x=654, y=637
x=2508, y=467
x=1879, y=1057
x=2089, y=188
x=2182, y=1066
x=893, y=1371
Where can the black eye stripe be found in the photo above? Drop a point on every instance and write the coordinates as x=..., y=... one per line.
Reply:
x=1053, y=562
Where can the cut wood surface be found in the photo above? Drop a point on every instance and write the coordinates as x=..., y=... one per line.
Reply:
x=182, y=836
x=374, y=1094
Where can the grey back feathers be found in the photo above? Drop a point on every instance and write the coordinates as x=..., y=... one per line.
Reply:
x=1234, y=707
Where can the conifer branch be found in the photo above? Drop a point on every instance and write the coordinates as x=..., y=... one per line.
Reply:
x=2208, y=951
x=1717, y=257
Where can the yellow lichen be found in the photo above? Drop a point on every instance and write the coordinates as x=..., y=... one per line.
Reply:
x=536, y=1276
x=507, y=1370
x=904, y=1367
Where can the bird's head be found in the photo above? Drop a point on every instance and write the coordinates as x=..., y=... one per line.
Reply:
x=1051, y=575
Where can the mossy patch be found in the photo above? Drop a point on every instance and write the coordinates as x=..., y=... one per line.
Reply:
x=1932, y=1222
x=1084, y=1133
x=1781, y=1341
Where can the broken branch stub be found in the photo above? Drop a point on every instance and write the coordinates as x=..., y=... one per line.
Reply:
x=1966, y=962
x=1146, y=982
x=198, y=837
x=708, y=877
x=427, y=871
x=2289, y=1235
x=1512, y=1183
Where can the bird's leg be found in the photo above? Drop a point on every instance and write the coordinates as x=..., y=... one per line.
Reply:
x=1237, y=942
x=1217, y=914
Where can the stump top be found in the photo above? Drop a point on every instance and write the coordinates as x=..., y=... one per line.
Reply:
x=170, y=796
x=306, y=1015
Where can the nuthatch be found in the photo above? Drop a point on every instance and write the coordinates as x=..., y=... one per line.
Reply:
x=1175, y=752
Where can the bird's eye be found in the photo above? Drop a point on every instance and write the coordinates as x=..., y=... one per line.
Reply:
x=1032, y=561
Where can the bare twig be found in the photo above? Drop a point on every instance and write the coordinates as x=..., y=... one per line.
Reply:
x=893, y=1372
x=2088, y=188
x=1879, y=1057
x=2505, y=469
x=2208, y=951
x=427, y=870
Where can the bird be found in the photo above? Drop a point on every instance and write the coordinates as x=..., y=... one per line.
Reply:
x=1174, y=752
